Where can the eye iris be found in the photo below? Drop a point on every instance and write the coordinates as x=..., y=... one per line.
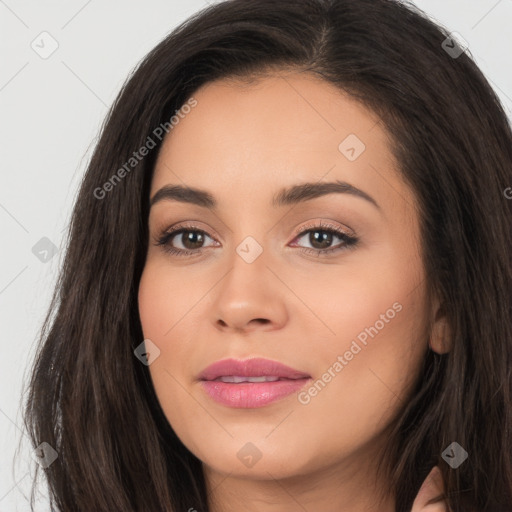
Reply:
x=194, y=237
x=325, y=239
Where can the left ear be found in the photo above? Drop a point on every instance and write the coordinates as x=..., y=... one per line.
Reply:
x=440, y=337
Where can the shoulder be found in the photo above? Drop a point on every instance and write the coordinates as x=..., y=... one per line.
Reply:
x=431, y=488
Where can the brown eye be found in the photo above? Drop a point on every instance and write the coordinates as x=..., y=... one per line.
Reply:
x=191, y=240
x=321, y=237
x=320, y=242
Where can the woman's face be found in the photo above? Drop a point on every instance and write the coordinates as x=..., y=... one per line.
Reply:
x=250, y=280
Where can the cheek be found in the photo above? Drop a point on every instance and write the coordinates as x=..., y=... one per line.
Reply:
x=366, y=370
x=373, y=318
x=154, y=298
x=166, y=297
x=364, y=374
x=165, y=309
x=159, y=304
x=168, y=307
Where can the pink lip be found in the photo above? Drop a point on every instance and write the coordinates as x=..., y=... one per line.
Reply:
x=255, y=367
x=251, y=394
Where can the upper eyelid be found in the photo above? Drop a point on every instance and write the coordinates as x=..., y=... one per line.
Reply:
x=316, y=223
x=324, y=224
x=320, y=225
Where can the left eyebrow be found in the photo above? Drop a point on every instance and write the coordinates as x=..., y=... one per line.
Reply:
x=286, y=196
x=307, y=191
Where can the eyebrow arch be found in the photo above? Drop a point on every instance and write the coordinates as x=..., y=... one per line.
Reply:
x=307, y=191
x=287, y=196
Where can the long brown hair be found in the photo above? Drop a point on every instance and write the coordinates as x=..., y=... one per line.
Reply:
x=92, y=400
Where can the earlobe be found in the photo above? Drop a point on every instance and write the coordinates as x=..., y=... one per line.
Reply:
x=440, y=336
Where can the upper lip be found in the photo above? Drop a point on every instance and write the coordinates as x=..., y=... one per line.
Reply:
x=254, y=367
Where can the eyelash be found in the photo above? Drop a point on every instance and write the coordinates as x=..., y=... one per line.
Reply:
x=349, y=241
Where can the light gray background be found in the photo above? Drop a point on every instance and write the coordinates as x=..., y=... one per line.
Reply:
x=51, y=111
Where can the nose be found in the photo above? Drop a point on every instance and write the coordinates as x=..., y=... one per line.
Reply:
x=250, y=297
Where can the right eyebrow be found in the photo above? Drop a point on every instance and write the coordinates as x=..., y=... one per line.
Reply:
x=185, y=195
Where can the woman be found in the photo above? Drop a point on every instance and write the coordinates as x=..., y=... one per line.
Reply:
x=236, y=367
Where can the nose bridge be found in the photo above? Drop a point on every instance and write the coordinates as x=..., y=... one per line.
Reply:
x=246, y=292
x=257, y=255
x=248, y=262
x=250, y=239
x=250, y=249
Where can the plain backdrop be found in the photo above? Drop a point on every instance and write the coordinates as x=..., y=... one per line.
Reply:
x=51, y=110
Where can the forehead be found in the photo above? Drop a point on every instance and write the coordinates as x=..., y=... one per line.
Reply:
x=276, y=131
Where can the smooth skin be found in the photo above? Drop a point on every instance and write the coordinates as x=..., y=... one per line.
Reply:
x=243, y=143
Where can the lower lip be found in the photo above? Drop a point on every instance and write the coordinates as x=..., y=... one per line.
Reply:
x=247, y=395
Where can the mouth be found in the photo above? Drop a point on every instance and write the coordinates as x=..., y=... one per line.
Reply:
x=251, y=383
x=239, y=379
x=256, y=367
